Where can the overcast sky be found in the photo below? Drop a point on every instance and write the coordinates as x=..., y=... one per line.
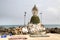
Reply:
x=12, y=11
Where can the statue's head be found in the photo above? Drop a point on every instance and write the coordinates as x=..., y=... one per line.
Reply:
x=34, y=10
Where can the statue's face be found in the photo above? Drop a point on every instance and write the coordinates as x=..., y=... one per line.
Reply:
x=35, y=12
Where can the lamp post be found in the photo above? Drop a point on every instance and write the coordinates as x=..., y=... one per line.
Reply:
x=41, y=17
x=24, y=18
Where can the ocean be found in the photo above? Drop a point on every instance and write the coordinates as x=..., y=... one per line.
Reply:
x=46, y=26
x=52, y=26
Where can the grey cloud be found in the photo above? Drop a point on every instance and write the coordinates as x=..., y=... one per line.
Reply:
x=12, y=11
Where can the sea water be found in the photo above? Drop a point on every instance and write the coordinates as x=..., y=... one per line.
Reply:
x=46, y=26
x=52, y=26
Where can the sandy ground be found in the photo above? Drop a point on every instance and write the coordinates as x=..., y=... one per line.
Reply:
x=51, y=37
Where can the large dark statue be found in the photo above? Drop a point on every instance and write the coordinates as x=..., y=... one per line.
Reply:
x=34, y=27
x=35, y=20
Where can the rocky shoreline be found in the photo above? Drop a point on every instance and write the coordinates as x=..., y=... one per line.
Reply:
x=12, y=30
x=53, y=30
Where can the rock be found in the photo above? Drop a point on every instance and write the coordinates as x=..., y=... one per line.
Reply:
x=36, y=28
